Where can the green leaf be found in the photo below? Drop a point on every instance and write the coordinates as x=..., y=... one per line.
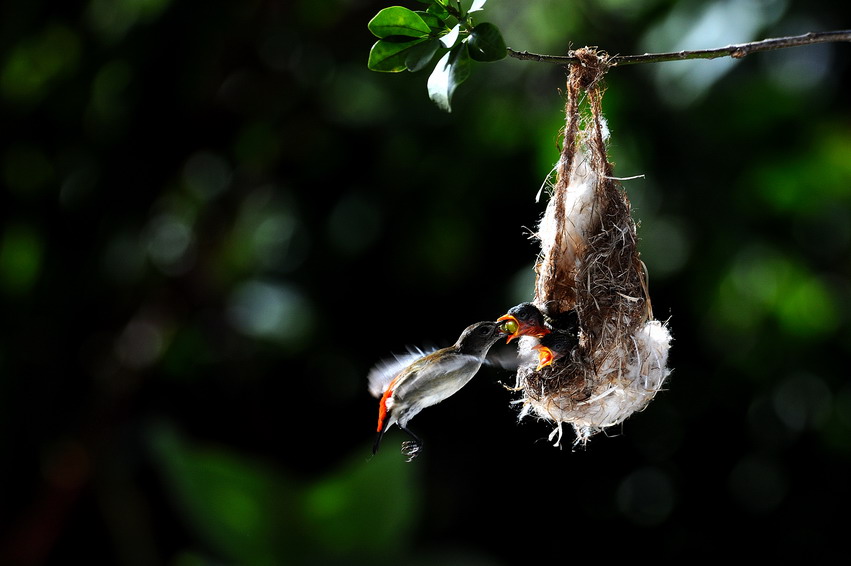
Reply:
x=434, y=23
x=486, y=43
x=452, y=69
x=390, y=55
x=421, y=55
x=438, y=10
x=397, y=20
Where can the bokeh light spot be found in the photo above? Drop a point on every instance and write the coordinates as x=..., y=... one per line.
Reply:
x=111, y=19
x=123, y=258
x=356, y=100
x=446, y=247
x=271, y=310
x=807, y=308
x=810, y=180
x=258, y=146
x=109, y=89
x=803, y=69
x=354, y=223
x=140, y=344
x=266, y=233
x=38, y=61
x=802, y=401
x=207, y=174
x=695, y=25
x=170, y=244
x=646, y=496
x=26, y=169
x=763, y=282
x=664, y=246
x=758, y=485
x=21, y=253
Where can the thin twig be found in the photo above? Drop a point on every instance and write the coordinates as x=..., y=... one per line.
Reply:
x=736, y=51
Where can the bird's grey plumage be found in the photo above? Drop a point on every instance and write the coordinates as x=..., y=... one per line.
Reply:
x=428, y=379
x=384, y=371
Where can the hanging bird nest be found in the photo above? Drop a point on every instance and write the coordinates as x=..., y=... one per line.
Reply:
x=589, y=266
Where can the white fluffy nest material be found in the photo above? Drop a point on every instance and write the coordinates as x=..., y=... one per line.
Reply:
x=589, y=262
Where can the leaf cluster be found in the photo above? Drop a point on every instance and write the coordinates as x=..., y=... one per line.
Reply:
x=410, y=40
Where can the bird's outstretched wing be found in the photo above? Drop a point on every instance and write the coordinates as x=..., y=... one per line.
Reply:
x=385, y=370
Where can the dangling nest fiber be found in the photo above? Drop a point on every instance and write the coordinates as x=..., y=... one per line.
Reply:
x=589, y=264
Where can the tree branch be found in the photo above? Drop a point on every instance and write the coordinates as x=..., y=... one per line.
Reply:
x=736, y=51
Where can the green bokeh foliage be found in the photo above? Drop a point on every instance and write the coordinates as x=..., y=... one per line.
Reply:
x=216, y=219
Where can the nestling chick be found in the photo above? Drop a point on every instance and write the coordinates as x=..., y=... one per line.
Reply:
x=523, y=320
x=554, y=346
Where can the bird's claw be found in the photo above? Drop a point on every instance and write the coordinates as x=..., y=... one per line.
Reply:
x=411, y=449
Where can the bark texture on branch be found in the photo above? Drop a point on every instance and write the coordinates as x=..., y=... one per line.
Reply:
x=736, y=51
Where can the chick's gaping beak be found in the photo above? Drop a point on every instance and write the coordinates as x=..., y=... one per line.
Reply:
x=545, y=357
x=509, y=325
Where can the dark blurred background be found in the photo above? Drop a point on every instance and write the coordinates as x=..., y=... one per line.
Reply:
x=215, y=220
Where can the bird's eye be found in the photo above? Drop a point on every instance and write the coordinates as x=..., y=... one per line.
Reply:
x=509, y=326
